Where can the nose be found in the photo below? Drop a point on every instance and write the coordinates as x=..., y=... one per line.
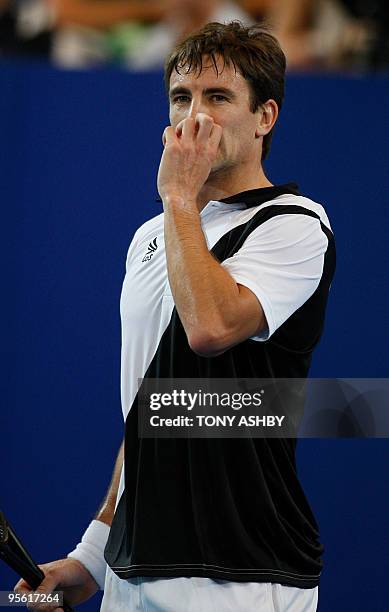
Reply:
x=197, y=106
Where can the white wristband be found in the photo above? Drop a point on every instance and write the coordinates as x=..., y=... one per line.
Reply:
x=90, y=551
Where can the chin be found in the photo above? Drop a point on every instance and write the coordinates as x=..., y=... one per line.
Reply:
x=221, y=166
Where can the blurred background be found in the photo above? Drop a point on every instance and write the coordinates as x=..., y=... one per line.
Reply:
x=317, y=35
x=82, y=110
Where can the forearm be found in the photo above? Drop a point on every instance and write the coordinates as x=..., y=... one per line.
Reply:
x=107, y=509
x=205, y=294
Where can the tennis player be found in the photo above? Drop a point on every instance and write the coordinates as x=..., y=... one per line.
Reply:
x=231, y=280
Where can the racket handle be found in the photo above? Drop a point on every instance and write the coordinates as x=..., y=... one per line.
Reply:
x=16, y=556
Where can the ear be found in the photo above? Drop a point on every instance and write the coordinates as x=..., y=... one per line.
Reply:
x=267, y=116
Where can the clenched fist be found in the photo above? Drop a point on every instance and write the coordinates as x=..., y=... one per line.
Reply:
x=67, y=575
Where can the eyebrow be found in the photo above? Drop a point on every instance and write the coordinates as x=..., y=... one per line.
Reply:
x=209, y=91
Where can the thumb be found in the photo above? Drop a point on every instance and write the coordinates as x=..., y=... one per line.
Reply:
x=49, y=583
x=168, y=136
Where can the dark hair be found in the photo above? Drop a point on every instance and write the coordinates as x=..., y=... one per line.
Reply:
x=253, y=51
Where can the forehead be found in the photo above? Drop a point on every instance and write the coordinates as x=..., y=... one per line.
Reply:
x=223, y=75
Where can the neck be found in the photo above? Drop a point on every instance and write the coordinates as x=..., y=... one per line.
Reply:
x=225, y=182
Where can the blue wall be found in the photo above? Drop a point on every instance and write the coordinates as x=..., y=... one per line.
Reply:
x=78, y=160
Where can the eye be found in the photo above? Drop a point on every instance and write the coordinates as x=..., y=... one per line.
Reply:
x=219, y=98
x=180, y=99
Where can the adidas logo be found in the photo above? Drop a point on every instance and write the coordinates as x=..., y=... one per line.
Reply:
x=151, y=250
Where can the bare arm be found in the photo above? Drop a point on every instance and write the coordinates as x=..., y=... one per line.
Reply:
x=215, y=311
x=107, y=509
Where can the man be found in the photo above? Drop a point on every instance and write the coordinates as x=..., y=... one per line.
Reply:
x=230, y=281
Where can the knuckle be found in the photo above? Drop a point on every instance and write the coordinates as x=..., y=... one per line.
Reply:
x=186, y=148
x=206, y=119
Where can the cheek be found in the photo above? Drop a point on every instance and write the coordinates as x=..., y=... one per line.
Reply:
x=232, y=137
x=175, y=117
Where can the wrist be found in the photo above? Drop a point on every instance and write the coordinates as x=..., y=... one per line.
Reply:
x=180, y=202
x=90, y=551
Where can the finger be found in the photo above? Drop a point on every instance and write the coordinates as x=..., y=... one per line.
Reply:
x=48, y=585
x=178, y=130
x=168, y=136
x=35, y=606
x=22, y=587
x=188, y=128
x=204, y=124
x=43, y=607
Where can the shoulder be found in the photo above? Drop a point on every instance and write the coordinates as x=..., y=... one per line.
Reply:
x=151, y=226
x=290, y=200
x=149, y=231
x=289, y=223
